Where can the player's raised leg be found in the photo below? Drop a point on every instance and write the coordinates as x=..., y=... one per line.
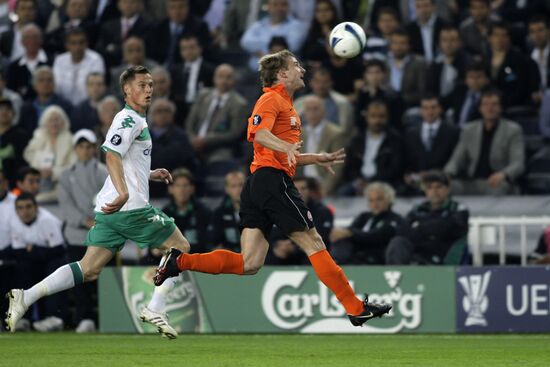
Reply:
x=65, y=277
x=254, y=249
x=334, y=278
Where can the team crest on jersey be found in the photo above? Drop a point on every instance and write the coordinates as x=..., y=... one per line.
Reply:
x=127, y=123
x=116, y=139
x=256, y=120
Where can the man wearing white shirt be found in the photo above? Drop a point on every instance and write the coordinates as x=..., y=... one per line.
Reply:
x=72, y=67
x=255, y=39
x=7, y=210
x=10, y=40
x=424, y=31
x=38, y=248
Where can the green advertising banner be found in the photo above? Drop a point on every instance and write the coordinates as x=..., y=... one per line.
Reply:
x=282, y=299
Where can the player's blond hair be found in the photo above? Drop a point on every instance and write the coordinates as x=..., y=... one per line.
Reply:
x=270, y=65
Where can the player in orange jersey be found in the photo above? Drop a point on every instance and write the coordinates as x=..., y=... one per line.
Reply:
x=270, y=197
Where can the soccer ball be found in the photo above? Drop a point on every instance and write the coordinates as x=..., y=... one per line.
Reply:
x=347, y=39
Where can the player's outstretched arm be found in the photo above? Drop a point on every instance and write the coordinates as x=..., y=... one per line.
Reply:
x=326, y=160
x=116, y=172
x=270, y=141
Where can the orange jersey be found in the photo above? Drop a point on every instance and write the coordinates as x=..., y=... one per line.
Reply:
x=274, y=111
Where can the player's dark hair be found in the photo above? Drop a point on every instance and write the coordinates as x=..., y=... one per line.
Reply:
x=129, y=75
x=26, y=196
x=270, y=65
x=23, y=172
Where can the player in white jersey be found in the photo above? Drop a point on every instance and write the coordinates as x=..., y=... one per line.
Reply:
x=122, y=212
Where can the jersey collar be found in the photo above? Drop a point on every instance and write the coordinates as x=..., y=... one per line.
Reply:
x=128, y=107
x=278, y=88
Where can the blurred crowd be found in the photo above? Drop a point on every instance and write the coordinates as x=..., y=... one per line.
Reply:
x=447, y=97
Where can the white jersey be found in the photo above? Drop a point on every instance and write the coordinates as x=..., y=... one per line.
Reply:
x=45, y=231
x=7, y=211
x=129, y=137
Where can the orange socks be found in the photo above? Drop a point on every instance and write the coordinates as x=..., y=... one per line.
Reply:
x=215, y=262
x=334, y=278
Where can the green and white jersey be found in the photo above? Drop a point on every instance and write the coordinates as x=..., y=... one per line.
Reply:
x=129, y=137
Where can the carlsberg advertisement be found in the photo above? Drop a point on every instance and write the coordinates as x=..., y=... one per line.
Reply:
x=281, y=299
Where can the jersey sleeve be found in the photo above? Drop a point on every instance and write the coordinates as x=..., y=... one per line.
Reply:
x=123, y=131
x=263, y=116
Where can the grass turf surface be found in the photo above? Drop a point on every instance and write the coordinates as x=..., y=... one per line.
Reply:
x=68, y=349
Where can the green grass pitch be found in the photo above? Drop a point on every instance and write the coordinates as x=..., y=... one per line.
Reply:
x=68, y=349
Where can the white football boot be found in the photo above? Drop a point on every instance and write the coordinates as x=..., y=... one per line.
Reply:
x=160, y=320
x=16, y=309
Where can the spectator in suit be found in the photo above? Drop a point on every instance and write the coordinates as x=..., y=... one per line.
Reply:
x=162, y=82
x=374, y=86
x=133, y=51
x=102, y=11
x=224, y=226
x=430, y=145
x=465, y=98
x=282, y=250
x=190, y=76
x=50, y=151
x=168, y=32
x=215, y=123
x=320, y=135
x=19, y=77
x=78, y=186
x=74, y=15
x=337, y=108
x=172, y=146
x=424, y=31
x=512, y=73
x=407, y=70
x=13, y=141
x=434, y=226
x=449, y=66
x=44, y=86
x=365, y=240
x=39, y=249
x=377, y=46
x=72, y=67
x=190, y=215
x=115, y=32
x=278, y=22
x=376, y=154
x=490, y=155
x=11, y=47
x=324, y=20
x=84, y=115
x=474, y=29
x=539, y=36
x=13, y=96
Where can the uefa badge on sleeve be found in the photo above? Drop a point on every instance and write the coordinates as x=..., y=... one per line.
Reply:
x=256, y=120
x=116, y=139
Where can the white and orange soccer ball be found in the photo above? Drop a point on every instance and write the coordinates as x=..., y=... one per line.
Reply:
x=347, y=40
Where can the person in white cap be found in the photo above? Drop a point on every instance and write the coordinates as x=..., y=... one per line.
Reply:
x=78, y=186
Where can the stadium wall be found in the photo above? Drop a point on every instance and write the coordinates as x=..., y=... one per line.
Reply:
x=291, y=299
